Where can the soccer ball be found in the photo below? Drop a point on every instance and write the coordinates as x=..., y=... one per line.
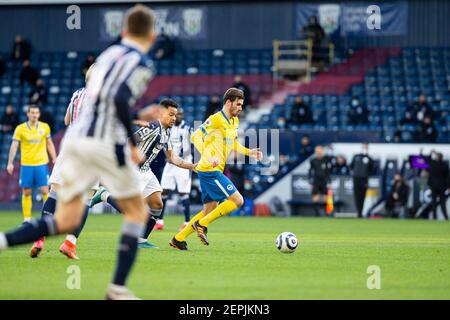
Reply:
x=287, y=242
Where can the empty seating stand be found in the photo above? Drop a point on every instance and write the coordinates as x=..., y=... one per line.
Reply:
x=386, y=89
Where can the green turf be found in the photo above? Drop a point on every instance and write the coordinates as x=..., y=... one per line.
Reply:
x=242, y=261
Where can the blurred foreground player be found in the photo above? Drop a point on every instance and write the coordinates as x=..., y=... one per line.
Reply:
x=68, y=248
x=152, y=138
x=99, y=148
x=215, y=139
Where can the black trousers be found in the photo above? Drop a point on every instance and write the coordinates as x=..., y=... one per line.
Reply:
x=435, y=194
x=359, y=191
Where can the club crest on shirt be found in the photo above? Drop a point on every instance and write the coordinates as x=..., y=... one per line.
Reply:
x=207, y=123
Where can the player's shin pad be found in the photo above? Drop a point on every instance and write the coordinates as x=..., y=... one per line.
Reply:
x=154, y=216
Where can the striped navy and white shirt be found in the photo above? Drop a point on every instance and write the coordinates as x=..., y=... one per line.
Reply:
x=121, y=76
x=151, y=140
x=180, y=138
x=75, y=104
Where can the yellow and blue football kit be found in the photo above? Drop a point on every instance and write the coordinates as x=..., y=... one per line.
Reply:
x=33, y=160
x=217, y=137
x=33, y=153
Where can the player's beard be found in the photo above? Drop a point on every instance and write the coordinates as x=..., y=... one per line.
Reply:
x=234, y=113
x=167, y=125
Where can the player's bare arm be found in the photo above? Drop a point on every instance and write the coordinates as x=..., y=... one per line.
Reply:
x=214, y=161
x=12, y=156
x=51, y=149
x=67, y=118
x=177, y=161
x=136, y=155
x=256, y=153
x=141, y=123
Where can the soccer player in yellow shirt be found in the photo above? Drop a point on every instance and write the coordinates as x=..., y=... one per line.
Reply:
x=215, y=139
x=34, y=139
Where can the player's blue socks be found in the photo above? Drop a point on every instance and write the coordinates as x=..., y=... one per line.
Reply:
x=113, y=203
x=31, y=231
x=77, y=232
x=154, y=216
x=49, y=207
x=127, y=251
x=186, y=203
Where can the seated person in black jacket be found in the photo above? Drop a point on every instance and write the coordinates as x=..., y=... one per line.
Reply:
x=213, y=107
x=423, y=109
x=300, y=113
x=398, y=195
x=90, y=59
x=408, y=119
x=39, y=94
x=28, y=74
x=21, y=49
x=240, y=84
x=10, y=120
x=164, y=47
x=427, y=131
x=358, y=113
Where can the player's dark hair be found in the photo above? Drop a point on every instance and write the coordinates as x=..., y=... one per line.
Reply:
x=166, y=103
x=33, y=106
x=232, y=94
x=139, y=21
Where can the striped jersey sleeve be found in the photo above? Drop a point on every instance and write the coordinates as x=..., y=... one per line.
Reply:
x=120, y=78
x=75, y=104
x=146, y=137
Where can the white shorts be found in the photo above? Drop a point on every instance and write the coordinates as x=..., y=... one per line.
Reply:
x=148, y=183
x=177, y=178
x=87, y=160
x=56, y=178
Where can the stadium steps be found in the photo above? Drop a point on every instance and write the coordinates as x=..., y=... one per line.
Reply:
x=185, y=85
x=340, y=77
x=337, y=80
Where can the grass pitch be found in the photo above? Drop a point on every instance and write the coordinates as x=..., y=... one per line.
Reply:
x=242, y=261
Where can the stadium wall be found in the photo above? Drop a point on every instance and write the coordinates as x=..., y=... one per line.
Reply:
x=229, y=26
x=382, y=151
